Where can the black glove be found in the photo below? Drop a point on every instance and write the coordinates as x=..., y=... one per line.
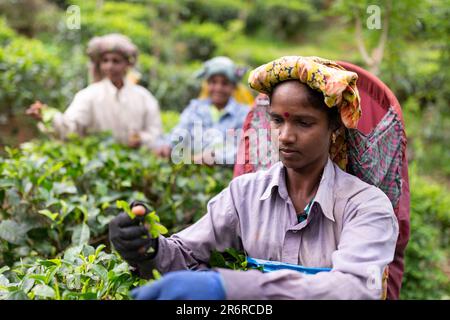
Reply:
x=131, y=238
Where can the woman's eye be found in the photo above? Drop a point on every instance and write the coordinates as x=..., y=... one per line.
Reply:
x=304, y=124
x=276, y=120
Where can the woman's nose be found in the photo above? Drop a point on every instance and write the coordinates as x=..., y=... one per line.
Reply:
x=286, y=134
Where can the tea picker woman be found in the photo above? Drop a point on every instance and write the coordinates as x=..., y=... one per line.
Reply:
x=304, y=210
x=214, y=117
x=112, y=102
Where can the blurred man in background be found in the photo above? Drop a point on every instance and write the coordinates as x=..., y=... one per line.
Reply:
x=112, y=102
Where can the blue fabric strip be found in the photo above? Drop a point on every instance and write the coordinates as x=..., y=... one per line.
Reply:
x=269, y=266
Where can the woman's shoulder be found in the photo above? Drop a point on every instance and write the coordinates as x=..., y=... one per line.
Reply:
x=240, y=104
x=199, y=102
x=257, y=182
x=197, y=105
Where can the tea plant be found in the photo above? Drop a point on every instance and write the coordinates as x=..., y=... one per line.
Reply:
x=55, y=194
x=80, y=273
x=228, y=259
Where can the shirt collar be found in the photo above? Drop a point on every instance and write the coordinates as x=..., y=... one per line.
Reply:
x=277, y=179
x=112, y=89
x=231, y=107
x=325, y=193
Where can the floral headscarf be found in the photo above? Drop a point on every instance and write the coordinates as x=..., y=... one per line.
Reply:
x=113, y=42
x=337, y=85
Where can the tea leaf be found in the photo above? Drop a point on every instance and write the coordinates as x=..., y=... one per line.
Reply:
x=161, y=229
x=156, y=274
x=44, y=291
x=48, y=214
x=126, y=207
x=80, y=235
x=12, y=232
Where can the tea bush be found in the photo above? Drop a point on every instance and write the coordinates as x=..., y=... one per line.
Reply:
x=427, y=253
x=55, y=194
x=280, y=19
x=219, y=11
x=29, y=70
x=80, y=273
x=201, y=39
x=172, y=85
x=130, y=19
x=6, y=33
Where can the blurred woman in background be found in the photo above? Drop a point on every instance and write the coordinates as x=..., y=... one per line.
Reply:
x=217, y=113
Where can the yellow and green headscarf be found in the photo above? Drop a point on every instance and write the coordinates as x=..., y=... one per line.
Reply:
x=337, y=84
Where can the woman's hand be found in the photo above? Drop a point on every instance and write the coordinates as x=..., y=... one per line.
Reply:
x=35, y=110
x=163, y=151
x=205, y=158
x=134, y=140
x=130, y=237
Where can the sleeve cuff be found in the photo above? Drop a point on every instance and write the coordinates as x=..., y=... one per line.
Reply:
x=241, y=285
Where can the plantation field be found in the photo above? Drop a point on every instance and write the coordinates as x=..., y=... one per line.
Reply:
x=57, y=197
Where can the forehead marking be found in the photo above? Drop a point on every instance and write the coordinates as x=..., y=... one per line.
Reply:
x=286, y=114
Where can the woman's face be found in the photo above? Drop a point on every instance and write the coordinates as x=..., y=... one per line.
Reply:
x=304, y=131
x=220, y=89
x=114, y=66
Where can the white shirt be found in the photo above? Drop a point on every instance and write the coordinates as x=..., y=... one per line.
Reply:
x=103, y=107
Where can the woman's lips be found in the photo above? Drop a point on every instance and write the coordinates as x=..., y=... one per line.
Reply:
x=288, y=152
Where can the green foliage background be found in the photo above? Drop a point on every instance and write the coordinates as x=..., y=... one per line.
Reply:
x=41, y=59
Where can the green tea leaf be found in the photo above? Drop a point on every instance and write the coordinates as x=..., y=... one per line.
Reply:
x=17, y=295
x=49, y=172
x=100, y=271
x=3, y=282
x=71, y=254
x=7, y=183
x=39, y=277
x=49, y=214
x=105, y=205
x=44, y=291
x=156, y=274
x=216, y=260
x=48, y=114
x=161, y=229
x=4, y=269
x=12, y=232
x=12, y=197
x=126, y=183
x=81, y=234
x=126, y=207
x=64, y=188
